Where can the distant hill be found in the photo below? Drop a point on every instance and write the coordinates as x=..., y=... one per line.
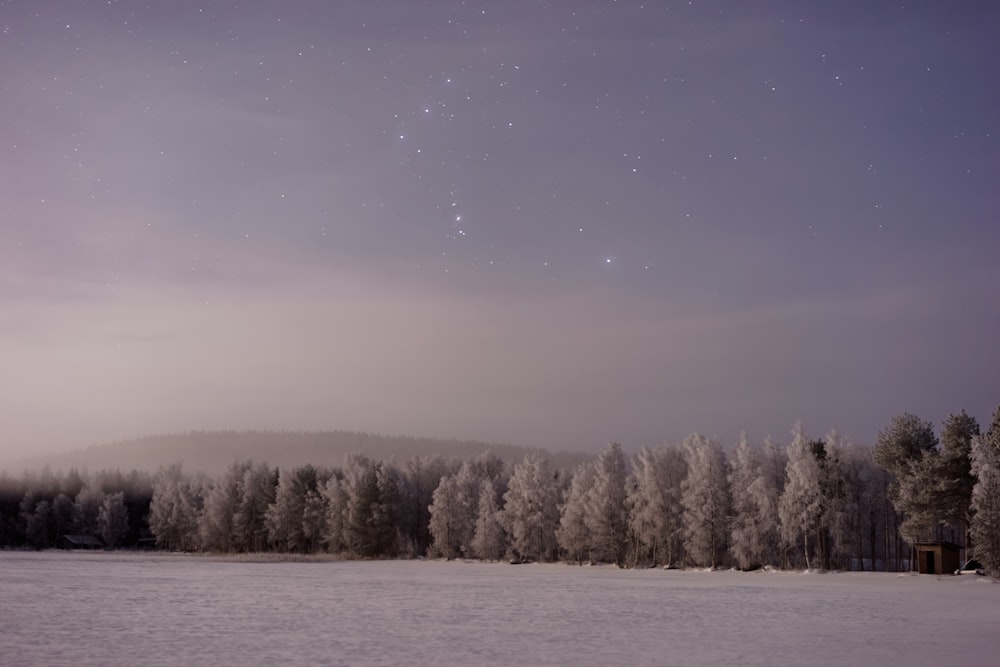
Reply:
x=212, y=451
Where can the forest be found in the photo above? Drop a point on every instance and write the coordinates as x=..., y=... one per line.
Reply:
x=816, y=503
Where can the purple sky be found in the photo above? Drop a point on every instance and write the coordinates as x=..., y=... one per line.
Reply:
x=548, y=223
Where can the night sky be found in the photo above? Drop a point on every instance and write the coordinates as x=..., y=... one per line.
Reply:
x=547, y=223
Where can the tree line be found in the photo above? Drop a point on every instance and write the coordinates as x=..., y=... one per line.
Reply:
x=822, y=503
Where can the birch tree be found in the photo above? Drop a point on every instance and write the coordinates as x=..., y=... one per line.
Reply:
x=705, y=498
x=488, y=541
x=748, y=542
x=573, y=533
x=656, y=511
x=174, y=510
x=447, y=515
x=531, y=511
x=606, y=513
x=801, y=506
x=112, y=519
x=216, y=525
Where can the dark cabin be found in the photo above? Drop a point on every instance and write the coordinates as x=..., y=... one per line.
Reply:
x=937, y=557
x=81, y=542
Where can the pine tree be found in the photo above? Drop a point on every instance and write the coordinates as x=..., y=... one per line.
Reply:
x=373, y=492
x=986, y=501
x=906, y=449
x=294, y=522
x=421, y=476
x=953, y=489
x=249, y=520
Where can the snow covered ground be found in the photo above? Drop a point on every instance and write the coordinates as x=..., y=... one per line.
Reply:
x=110, y=609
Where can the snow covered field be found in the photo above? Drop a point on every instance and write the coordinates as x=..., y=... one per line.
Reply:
x=109, y=609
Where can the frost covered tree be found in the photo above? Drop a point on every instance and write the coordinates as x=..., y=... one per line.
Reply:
x=751, y=507
x=488, y=541
x=655, y=509
x=531, y=511
x=801, y=506
x=36, y=513
x=954, y=474
x=335, y=537
x=216, y=525
x=985, y=529
x=174, y=510
x=705, y=499
x=453, y=511
x=908, y=438
x=606, y=513
x=932, y=489
x=573, y=533
x=421, y=476
x=294, y=523
x=373, y=492
x=86, y=508
x=834, y=531
x=447, y=517
x=905, y=450
x=250, y=518
x=112, y=519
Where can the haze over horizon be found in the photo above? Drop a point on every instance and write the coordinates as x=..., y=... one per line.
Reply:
x=543, y=223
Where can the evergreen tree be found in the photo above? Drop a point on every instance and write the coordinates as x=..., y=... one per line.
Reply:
x=908, y=438
x=62, y=516
x=954, y=475
x=907, y=450
x=986, y=502
x=249, y=523
x=373, y=493
x=421, y=476
x=291, y=523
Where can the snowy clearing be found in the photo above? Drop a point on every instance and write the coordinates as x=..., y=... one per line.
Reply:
x=104, y=609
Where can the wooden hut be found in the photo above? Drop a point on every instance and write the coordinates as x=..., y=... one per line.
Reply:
x=937, y=557
x=81, y=542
